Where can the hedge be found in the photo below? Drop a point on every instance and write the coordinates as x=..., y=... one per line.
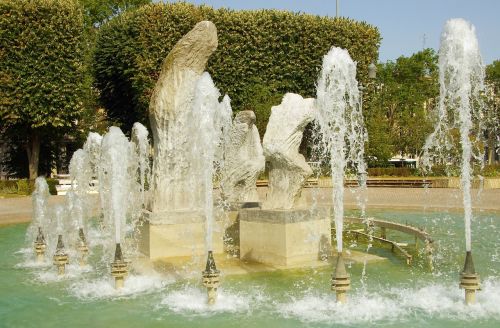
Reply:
x=25, y=187
x=42, y=61
x=43, y=80
x=277, y=49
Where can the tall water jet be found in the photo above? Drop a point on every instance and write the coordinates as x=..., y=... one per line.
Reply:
x=60, y=257
x=92, y=147
x=80, y=171
x=343, y=135
x=40, y=218
x=115, y=185
x=140, y=139
x=75, y=231
x=460, y=122
x=213, y=119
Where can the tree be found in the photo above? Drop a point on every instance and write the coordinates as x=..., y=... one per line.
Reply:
x=97, y=12
x=493, y=109
x=42, y=71
x=398, y=105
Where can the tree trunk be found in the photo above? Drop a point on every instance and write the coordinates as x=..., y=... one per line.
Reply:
x=491, y=148
x=33, y=150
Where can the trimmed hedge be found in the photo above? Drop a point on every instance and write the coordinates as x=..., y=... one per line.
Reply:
x=274, y=48
x=25, y=187
x=41, y=63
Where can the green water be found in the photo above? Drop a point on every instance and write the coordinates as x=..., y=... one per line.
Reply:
x=391, y=294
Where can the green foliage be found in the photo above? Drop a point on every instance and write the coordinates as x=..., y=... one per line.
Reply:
x=25, y=187
x=98, y=12
x=399, y=105
x=41, y=63
x=492, y=117
x=260, y=98
x=8, y=187
x=266, y=49
x=492, y=171
x=43, y=84
x=493, y=73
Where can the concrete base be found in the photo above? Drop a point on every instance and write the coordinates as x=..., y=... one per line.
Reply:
x=285, y=238
x=174, y=234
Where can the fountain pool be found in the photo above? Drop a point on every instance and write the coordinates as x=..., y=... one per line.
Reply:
x=393, y=295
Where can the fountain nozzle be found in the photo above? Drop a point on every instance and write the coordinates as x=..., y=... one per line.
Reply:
x=83, y=248
x=119, y=268
x=60, y=257
x=340, y=280
x=469, y=280
x=40, y=246
x=211, y=278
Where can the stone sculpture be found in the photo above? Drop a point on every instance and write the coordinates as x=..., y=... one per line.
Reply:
x=173, y=185
x=288, y=168
x=244, y=160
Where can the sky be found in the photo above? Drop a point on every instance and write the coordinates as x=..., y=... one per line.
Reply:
x=406, y=26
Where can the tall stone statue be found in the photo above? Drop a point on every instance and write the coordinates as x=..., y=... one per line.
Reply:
x=244, y=160
x=173, y=185
x=288, y=168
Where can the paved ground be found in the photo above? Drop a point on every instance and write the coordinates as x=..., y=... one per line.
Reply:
x=17, y=210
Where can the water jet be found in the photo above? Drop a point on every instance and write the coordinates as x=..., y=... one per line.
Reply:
x=40, y=246
x=119, y=269
x=469, y=280
x=211, y=278
x=60, y=257
x=341, y=281
x=83, y=249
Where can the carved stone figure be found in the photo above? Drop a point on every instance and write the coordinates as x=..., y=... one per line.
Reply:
x=173, y=185
x=244, y=160
x=288, y=168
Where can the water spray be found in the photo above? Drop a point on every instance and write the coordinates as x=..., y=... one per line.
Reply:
x=469, y=280
x=83, y=248
x=60, y=257
x=119, y=268
x=40, y=246
x=341, y=281
x=461, y=109
x=211, y=278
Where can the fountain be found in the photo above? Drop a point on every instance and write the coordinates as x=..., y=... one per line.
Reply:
x=211, y=278
x=341, y=123
x=60, y=256
x=461, y=78
x=39, y=219
x=119, y=268
x=186, y=121
x=40, y=246
x=243, y=160
x=178, y=219
x=83, y=248
x=116, y=186
x=286, y=232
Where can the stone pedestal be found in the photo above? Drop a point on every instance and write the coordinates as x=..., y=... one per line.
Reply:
x=232, y=226
x=175, y=234
x=285, y=238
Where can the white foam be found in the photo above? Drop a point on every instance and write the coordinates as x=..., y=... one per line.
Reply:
x=193, y=301
x=444, y=301
x=103, y=288
x=72, y=271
